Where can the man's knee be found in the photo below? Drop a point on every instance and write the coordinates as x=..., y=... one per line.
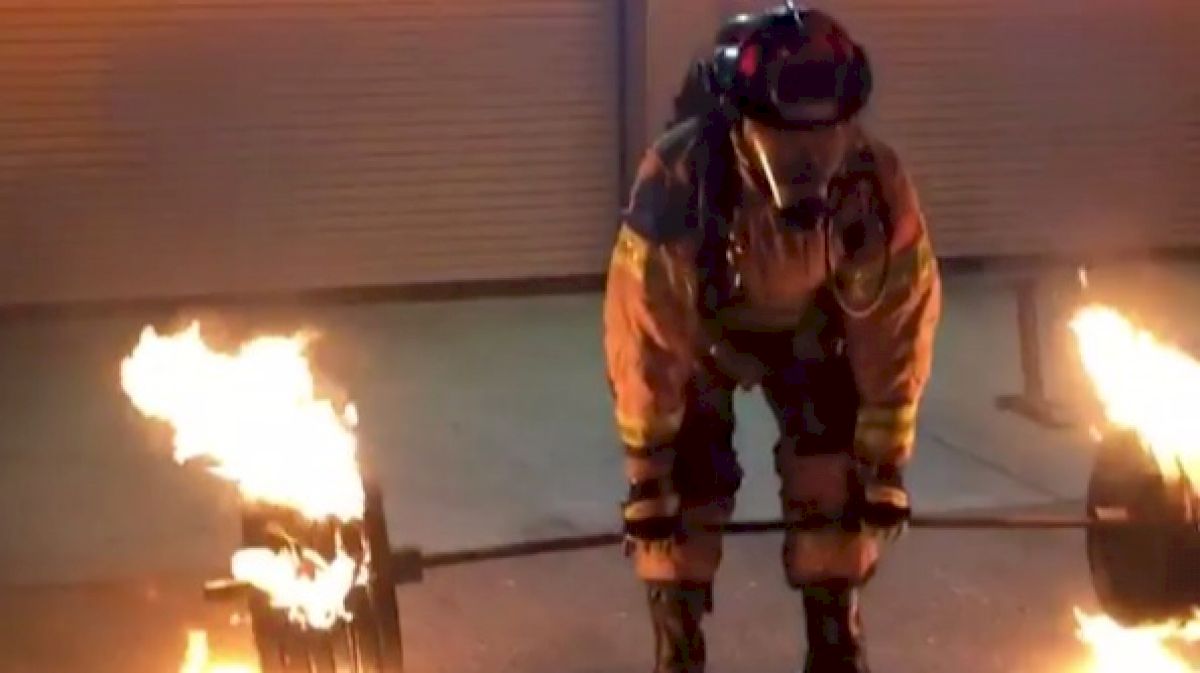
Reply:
x=694, y=555
x=829, y=555
x=816, y=489
x=813, y=487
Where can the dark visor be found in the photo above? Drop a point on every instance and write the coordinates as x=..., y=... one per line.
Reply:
x=802, y=89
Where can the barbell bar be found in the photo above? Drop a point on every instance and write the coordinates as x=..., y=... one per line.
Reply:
x=407, y=564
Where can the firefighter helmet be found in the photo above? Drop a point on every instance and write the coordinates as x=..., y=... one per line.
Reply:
x=791, y=67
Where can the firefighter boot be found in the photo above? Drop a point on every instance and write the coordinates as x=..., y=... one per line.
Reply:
x=834, y=626
x=676, y=612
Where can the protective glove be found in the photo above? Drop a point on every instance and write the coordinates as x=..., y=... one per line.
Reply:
x=883, y=503
x=651, y=513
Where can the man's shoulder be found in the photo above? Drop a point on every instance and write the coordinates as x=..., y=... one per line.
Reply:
x=885, y=155
x=663, y=187
x=899, y=190
x=676, y=146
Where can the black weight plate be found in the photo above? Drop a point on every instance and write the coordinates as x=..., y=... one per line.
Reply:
x=382, y=589
x=1144, y=572
x=354, y=647
x=370, y=642
x=268, y=642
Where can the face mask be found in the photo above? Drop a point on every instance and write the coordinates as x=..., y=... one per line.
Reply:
x=794, y=166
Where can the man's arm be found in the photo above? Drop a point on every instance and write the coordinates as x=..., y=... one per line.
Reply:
x=650, y=328
x=891, y=348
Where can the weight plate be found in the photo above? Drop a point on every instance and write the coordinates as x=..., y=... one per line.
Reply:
x=1147, y=571
x=368, y=643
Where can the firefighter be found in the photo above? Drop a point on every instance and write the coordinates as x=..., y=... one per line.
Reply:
x=770, y=244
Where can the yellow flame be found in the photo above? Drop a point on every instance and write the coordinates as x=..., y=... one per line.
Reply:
x=311, y=589
x=255, y=417
x=1118, y=649
x=1145, y=386
x=196, y=658
x=254, y=414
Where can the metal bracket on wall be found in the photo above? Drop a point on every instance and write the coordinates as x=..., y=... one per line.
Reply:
x=1032, y=402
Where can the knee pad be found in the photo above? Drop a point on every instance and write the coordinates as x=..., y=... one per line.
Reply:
x=829, y=555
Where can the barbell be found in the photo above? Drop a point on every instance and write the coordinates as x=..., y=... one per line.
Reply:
x=1142, y=544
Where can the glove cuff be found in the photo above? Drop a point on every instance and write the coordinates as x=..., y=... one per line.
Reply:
x=651, y=498
x=888, y=473
x=663, y=507
x=888, y=495
x=882, y=482
x=652, y=489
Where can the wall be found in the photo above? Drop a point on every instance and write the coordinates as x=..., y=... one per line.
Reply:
x=1032, y=127
x=663, y=38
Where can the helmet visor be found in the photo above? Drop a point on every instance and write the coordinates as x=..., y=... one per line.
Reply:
x=796, y=165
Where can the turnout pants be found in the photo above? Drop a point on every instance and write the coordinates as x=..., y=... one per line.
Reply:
x=814, y=402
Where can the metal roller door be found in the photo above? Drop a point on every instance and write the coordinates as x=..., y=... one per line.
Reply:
x=178, y=147
x=1041, y=126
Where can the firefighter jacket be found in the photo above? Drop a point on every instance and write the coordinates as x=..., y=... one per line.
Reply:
x=654, y=334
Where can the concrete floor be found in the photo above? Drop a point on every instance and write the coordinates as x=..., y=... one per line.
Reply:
x=488, y=421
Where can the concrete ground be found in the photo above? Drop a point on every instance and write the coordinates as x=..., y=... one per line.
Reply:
x=488, y=421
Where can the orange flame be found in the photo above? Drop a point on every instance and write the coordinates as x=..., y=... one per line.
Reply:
x=1119, y=649
x=1150, y=388
x=254, y=415
x=302, y=582
x=196, y=658
x=1145, y=385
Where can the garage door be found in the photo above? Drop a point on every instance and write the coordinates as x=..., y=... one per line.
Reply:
x=175, y=147
x=1040, y=126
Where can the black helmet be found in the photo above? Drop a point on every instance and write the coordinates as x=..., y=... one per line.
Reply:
x=777, y=67
x=736, y=29
x=699, y=93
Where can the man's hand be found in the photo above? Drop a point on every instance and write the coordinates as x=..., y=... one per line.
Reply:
x=883, y=502
x=746, y=370
x=651, y=513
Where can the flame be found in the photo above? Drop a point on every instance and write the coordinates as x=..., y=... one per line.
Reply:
x=254, y=414
x=1145, y=386
x=254, y=417
x=300, y=581
x=195, y=659
x=1118, y=649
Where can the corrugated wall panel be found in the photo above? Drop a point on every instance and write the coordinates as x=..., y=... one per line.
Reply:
x=152, y=148
x=1038, y=126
